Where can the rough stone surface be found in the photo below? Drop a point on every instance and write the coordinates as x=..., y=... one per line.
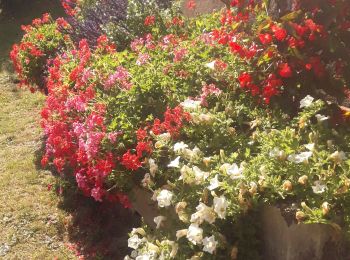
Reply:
x=144, y=205
x=299, y=241
x=202, y=7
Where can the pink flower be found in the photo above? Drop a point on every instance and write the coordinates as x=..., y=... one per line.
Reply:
x=142, y=59
x=179, y=54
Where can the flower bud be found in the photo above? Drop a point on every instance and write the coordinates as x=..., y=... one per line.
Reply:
x=287, y=185
x=206, y=161
x=231, y=130
x=325, y=208
x=158, y=145
x=253, y=188
x=303, y=180
x=181, y=233
x=300, y=216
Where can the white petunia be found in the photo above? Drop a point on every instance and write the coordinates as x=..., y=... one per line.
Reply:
x=190, y=104
x=175, y=163
x=338, y=157
x=306, y=101
x=214, y=183
x=300, y=158
x=180, y=146
x=199, y=175
x=210, y=244
x=234, y=171
x=204, y=213
x=195, y=234
x=277, y=153
x=220, y=206
x=164, y=137
x=164, y=198
x=159, y=220
x=211, y=65
x=320, y=118
x=134, y=242
x=319, y=187
x=143, y=257
x=310, y=147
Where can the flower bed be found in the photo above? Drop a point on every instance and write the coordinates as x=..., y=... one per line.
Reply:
x=215, y=115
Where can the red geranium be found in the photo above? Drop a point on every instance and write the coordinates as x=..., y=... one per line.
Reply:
x=285, y=71
x=265, y=38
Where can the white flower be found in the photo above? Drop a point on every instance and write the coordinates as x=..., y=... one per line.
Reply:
x=158, y=220
x=211, y=65
x=338, y=157
x=195, y=234
x=175, y=163
x=310, y=147
x=220, y=205
x=203, y=213
x=210, y=244
x=214, y=183
x=319, y=187
x=306, y=101
x=179, y=147
x=181, y=233
x=232, y=170
x=190, y=104
x=164, y=137
x=134, y=242
x=143, y=257
x=300, y=158
x=321, y=118
x=192, y=155
x=277, y=153
x=164, y=198
x=153, y=167
x=200, y=175
x=186, y=174
x=127, y=258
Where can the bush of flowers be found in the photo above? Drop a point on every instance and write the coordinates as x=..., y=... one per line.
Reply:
x=120, y=20
x=226, y=162
x=215, y=115
x=41, y=42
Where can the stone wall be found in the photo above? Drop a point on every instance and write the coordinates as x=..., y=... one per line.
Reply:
x=202, y=7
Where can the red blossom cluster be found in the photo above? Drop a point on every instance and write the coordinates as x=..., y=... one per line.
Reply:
x=287, y=47
x=74, y=125
x=30, y=55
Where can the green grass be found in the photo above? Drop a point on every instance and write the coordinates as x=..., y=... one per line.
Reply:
x=31, y=224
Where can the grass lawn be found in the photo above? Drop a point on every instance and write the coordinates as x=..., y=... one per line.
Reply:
x=31, y=224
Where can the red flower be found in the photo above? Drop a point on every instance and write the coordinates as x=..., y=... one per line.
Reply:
x=285, y=70
x=265, y=38
x=245, y=79
x=141, y=134
x=143, y=147
x=130, y=161
x=150, y=20
x=280, y=33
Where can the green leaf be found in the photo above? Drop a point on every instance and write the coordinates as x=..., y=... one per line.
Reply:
x=291, y=16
